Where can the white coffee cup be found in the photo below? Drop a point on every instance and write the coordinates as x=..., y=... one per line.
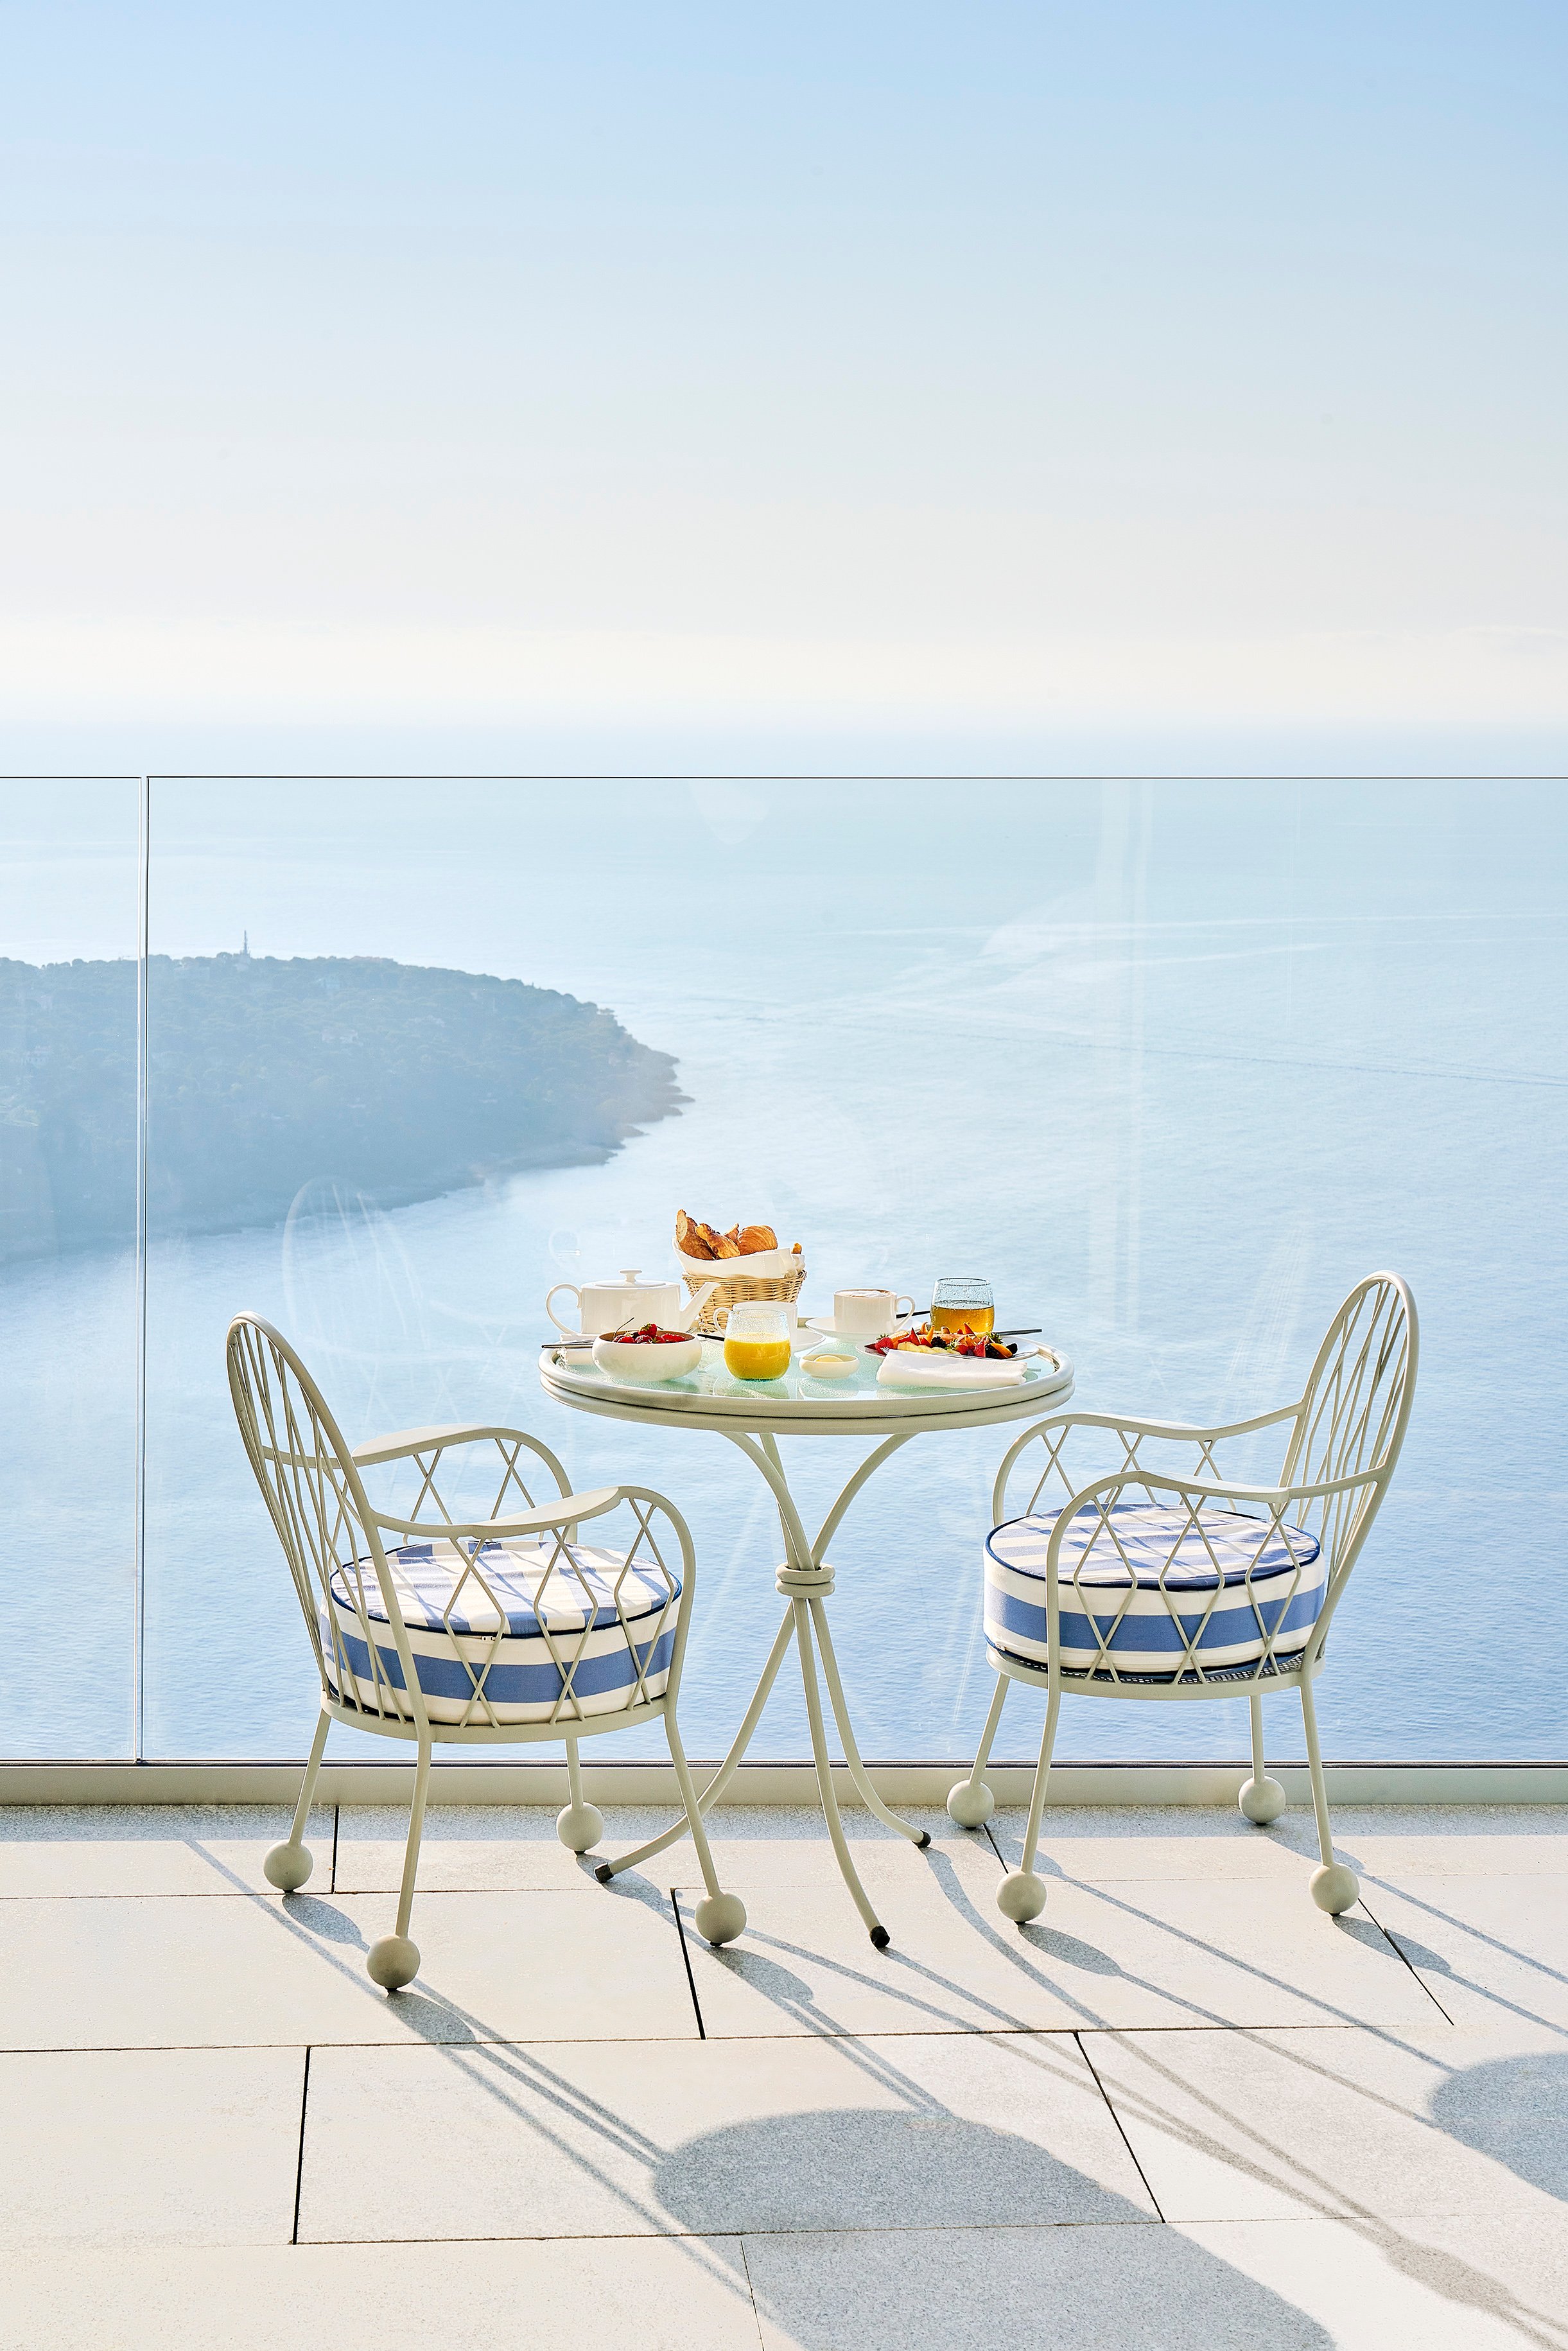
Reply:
x=867, y=1313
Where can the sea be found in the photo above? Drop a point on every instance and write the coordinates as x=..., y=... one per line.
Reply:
x=1172, y=1064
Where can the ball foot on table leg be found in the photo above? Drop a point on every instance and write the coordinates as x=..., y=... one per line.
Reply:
x=880, y=1938
x=921, y=1841
x=605, y=1873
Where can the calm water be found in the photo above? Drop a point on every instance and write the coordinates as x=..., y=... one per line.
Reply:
x=1172, y=1064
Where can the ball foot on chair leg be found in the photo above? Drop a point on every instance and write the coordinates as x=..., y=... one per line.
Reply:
x=880, y=1938
x=970, y=1804
x=605, y=1873
x=1334, y=1888
x=720, y=1918
x=393, y=1962
x=580, y=1826
x=288, y=1867
x=921, y=1841
x=1021, y=1896
x=1261, y=1801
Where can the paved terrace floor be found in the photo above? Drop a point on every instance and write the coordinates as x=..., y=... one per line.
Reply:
x=1183, y=2111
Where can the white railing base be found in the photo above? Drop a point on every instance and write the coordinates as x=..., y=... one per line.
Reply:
x=467, y=1783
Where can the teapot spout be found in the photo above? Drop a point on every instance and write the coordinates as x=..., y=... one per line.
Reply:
x=688, y=1314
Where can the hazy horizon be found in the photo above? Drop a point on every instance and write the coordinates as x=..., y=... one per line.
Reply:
x=877, y=378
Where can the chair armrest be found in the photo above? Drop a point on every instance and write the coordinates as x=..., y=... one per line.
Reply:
x=1054, y=1430
x=565, y=1511
x=406, y=1442
x=1208, y=1490
x=1171, y=1431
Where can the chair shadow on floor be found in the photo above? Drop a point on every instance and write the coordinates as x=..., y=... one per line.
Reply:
x=933, y=2179
x=1515, y=2110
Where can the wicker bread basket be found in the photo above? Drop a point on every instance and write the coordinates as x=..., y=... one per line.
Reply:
x=737, y=1288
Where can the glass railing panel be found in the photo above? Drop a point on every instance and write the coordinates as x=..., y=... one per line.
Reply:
x=69, y=905
x=1172, y=1064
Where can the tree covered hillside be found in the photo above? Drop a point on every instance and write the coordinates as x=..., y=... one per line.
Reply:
x=264, y=1076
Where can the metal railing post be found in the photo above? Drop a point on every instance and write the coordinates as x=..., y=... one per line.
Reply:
x=139, y=1558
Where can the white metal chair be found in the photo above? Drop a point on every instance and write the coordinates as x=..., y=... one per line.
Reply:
x=474, y=1631
x=1206, y=1588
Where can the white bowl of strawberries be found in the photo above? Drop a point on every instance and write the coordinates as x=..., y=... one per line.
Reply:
x=651, y=1354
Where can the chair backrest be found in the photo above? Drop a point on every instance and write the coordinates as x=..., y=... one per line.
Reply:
x=318, y=1505
x=1352, y=1419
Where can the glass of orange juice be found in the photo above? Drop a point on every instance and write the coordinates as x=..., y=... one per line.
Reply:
x=960, y=1302
x=757, y=1340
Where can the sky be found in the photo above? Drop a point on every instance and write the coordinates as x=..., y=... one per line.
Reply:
x=1015, y=384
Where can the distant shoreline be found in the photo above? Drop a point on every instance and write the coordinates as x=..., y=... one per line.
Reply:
x=400, y=1081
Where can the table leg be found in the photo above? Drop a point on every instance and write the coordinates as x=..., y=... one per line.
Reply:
x=721, y=1777
x=805, y=1580
x=856, y=1769
x=878, y=1933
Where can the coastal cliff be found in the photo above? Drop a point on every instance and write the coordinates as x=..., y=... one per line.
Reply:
x=264, y=1076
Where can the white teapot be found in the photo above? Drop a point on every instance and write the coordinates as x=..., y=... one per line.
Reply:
x=625, y=1305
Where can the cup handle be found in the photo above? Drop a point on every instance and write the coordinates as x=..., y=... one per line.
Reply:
x=721, y=1316
x=899, y=1303
x=565, y=1328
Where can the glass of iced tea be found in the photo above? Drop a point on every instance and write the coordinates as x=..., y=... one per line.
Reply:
x=962, y=1303
x=757, y=1340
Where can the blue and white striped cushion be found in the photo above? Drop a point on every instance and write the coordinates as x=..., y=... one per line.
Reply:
x=1231, y=1584
x=523, y=1682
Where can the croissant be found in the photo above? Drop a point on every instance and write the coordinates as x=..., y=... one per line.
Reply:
x=695, y=1240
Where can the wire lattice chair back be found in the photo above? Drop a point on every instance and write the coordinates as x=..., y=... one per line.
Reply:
x=1352, y=1420
x=318, y=1505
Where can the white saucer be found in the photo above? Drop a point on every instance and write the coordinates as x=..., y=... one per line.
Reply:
x=828, y=1329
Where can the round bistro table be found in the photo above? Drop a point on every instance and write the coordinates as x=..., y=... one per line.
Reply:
x=754, y=1415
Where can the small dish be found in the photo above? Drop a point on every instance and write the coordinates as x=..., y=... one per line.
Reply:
x=829, y=1364
x=641, y=1365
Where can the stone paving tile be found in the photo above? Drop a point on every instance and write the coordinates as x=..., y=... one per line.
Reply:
x=1493, y=1951
x=1274, y=2125
x=590, y=2139
x=1090, y=2289
x=171, y=2146
x=1282, y=2286
x=669, y=2294
x=1155, y=1954
x=188, y=1971
x=1092, y=1843
x=98, y=1849
x=1087, y=1843
x=1452, y=1840
x=1486, y=2283
x=515, y=1846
